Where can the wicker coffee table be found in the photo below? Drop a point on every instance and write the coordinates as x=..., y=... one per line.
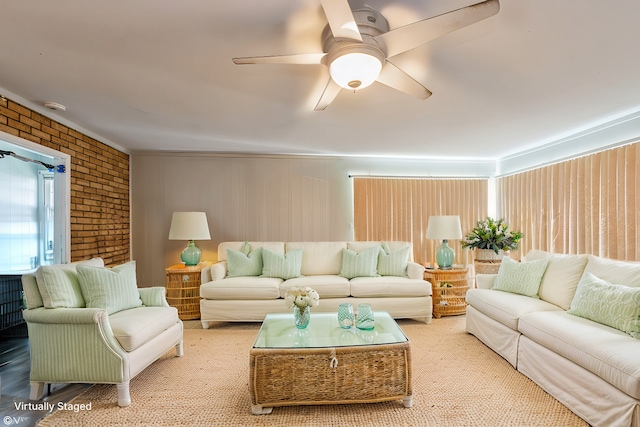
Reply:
x=324, y=364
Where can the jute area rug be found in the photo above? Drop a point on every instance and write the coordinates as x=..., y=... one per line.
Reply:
x=457, y=381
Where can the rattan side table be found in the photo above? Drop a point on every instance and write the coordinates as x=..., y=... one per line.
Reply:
x=449, y=290
x=183, y=289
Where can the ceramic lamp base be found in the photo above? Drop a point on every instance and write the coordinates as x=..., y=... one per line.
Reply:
x=191, y=254
x=445, y=256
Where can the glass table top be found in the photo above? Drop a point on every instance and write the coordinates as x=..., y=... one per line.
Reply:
x=279, y=331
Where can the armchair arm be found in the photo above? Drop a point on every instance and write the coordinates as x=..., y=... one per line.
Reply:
x=65, y=315
x=485, y=281
x=415, y=270
x=74, y=345
x=155, y=296
x=218, y=271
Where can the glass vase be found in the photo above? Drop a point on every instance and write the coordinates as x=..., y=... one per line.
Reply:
x=365, y=320
x=301, y=316
x=345, y=316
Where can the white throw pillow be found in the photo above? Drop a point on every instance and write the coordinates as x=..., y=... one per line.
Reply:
x=561, y=277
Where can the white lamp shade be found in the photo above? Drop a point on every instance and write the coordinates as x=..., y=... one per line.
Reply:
x=444, y=227
x=189, y=226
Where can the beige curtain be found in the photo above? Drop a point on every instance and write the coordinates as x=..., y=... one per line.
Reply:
x=399, y=209
x=585, y=205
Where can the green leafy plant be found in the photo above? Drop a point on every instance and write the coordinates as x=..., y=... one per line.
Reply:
x=492, y=234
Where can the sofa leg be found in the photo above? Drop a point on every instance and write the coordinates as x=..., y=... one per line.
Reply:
x=37, y=390
x=205, y=324
x=124, y=398
x=179, y=349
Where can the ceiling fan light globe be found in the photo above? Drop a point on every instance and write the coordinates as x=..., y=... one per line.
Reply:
x=355, y=71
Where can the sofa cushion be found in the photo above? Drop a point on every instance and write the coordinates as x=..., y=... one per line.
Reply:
x=360, y=264
x=561, y=277
x=327, y=286
x=242, y=288
x=59, y=286
x=506, y=307
x=613, y=271
x=613, y=305
x=113, y=289
x=393, y=263
x=319, y=258
x=520, y=277
x=280, y=265
x=389, y=286
x=605, y=351
x=244, y=262
x=135, y=327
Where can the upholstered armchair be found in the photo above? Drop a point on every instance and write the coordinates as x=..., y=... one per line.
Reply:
x=91, y=324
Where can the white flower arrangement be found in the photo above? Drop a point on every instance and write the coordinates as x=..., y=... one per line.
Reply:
x=301, y=297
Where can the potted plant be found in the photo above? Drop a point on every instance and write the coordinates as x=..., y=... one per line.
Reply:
x=492, y=240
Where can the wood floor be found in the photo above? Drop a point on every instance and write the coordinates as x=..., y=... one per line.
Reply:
x=14, y=377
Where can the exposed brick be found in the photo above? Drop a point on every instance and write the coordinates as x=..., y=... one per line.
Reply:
x=4, y=111
x=20, y=126
x=30, y=122
x=99, y=188
x=19, y=109
x=29, y=137
x=7, y=129
x=40, y=134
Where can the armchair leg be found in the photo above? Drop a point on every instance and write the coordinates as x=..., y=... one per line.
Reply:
x=179, y=349
x=205, y=324
x=124, y=398
x=37, y=390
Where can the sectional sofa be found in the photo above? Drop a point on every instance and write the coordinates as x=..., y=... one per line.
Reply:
x=250, y=279
x=571, y=324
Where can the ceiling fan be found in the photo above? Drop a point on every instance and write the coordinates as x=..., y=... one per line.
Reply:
x=358, y=47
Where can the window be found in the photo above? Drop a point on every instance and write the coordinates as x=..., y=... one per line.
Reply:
x=33, y=202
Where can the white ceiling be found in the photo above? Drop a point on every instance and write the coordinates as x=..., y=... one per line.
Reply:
x=157, y=75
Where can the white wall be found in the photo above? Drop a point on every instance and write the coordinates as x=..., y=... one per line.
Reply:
x=281, y=198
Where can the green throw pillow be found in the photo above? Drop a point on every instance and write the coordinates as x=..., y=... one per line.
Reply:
x=617, y=306
x=59, y=286
x=393, y=263
x=114, y=289
x=241, y=263
x=276, y=264
x=520, y=277
x=360, y=264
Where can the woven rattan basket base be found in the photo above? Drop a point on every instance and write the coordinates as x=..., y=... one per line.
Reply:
x=487, y=267
x=316, y=376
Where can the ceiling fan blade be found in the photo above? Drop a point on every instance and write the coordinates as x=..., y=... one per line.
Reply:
x=343, y=24
x=304, y=58
x=413, y=35
x=328, y=95
x=395, y=78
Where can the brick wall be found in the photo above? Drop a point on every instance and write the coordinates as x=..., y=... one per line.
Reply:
x=99, y=183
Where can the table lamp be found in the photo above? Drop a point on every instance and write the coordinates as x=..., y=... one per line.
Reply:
x=189, y=226
x=445, y=227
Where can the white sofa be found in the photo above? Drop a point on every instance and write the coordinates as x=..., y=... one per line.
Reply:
x=250, y=298
x=591, y=368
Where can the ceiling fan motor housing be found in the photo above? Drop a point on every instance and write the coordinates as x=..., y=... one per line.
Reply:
x=370, y=24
